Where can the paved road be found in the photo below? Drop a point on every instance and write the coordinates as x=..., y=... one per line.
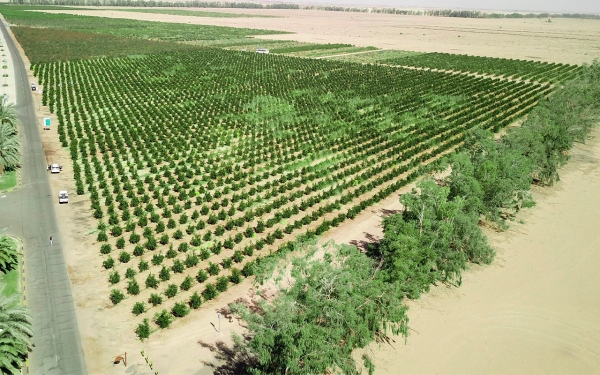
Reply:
x=29, y=214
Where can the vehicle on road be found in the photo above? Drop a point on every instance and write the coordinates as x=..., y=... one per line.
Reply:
x=55, y=168
x=63, y=196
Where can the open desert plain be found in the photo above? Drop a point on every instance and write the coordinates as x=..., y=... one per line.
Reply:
x=190, y=160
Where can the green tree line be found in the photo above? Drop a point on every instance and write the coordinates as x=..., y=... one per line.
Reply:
x=347, y=299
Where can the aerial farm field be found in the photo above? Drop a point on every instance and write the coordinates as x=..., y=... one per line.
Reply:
x=191, y=165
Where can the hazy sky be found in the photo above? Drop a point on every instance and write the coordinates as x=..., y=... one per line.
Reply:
x=561, y=6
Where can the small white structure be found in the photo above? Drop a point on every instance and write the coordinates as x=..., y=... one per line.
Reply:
x=63, y=196
x=262, y=50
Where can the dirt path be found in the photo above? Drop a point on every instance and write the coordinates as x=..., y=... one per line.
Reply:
x=535, y=310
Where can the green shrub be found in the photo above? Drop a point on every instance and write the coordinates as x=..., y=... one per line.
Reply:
x=171, y=291
x=114, y=277
x=143, y=265
x=201, y=276
x=178, y=266
x=180, y=310
x=116, y=296
x=186, y=284
x=133, y=288
x=155, y=299
x=210, y=292
x=151, y=281
x=222, y=283
x=143, y=330
x=163, y=319
x=213, y=268
x=236, y=276
x=195, y=301
x=164, y=274
x=130, y=273
x=124, y=257
x=105, y=248
x=138, y=308
x=108, y=263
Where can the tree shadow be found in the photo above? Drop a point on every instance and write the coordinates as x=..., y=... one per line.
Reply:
x=385, y=212
x=236, y=360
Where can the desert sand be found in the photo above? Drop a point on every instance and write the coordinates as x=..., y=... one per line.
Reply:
x=534, y=310
x=571, y=41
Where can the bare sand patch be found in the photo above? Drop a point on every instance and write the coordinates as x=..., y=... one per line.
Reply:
x=563, y=40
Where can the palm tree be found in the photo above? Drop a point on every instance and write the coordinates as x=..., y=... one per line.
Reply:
x=8, y=114
x=15, y=334
x=10, y=154
x=8, y=254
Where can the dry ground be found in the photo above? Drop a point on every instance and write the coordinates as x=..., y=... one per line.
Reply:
x=565, y=40
x=534, y=310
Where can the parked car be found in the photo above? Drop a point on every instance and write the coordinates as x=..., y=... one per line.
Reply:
x=55, y=168
x=33, y=87
x=63, y=196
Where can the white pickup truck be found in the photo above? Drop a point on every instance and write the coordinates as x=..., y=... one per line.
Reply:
x=63, y=196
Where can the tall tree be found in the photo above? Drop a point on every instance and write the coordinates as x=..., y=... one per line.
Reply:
x=8, y=115
x=334, y=305
x=431, y=240
x=8, y=254
x=15, y=334
x=10, y=154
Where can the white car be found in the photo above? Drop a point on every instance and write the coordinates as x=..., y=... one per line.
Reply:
x=55, y=168
x=63, y=196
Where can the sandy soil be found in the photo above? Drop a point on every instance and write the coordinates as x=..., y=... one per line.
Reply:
x=519, y=315
x=570, y=41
